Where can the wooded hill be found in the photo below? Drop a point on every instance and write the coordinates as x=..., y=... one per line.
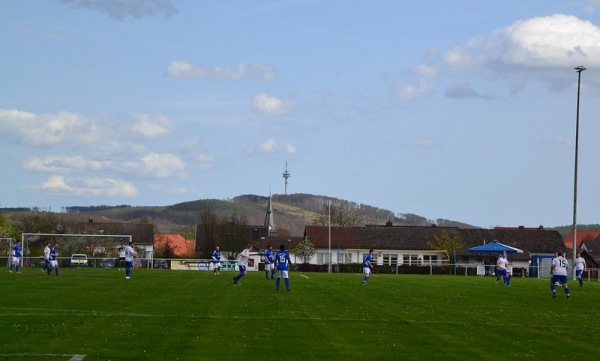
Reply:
x=291, y=213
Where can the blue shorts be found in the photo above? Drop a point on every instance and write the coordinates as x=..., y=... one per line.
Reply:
x=578, y=272
x=502, y=272
x=129, y=264
x=559, y=279
x=242, y=268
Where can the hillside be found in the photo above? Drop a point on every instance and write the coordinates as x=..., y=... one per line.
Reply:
x=291, y=212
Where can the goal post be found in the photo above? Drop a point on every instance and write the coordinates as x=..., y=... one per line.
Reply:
x=93, y=245
x=6, y=248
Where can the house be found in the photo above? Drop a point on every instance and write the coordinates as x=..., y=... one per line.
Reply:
x=179, y=244
x=413, y=245
x=582, y=235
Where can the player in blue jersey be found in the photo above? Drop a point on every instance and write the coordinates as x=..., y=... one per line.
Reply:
x=243, y=263
x=216, y=260
x=579, y=268
x=560, y=267
x=130, y=254
x=282, y=260
x=53, y=260
x=367, y=266
x=269, y=262
x=17, y=253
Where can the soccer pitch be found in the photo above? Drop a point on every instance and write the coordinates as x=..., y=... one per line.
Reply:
x=95, y=314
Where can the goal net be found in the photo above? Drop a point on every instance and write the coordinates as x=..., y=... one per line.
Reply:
x=92, y=245
x=6, y=245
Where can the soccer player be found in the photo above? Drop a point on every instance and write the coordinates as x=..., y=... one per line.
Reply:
x=17, y=253
x=269, y=265
x=46, y=258
x=53, y=260
x=367, y=266
x=282, y=259
x=216, y=260
x=122, y=256
x=579, y=268
x=243, y=263
x=560, y=267
x=130, y=253
x=502, y=268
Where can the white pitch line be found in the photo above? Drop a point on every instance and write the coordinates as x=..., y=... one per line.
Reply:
x=73, y=357
x=301, y=275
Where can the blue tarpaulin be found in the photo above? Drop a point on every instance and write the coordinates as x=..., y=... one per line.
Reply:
x=495, y=246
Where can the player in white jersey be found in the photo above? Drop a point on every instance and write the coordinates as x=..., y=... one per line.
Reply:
x=560, y=267
x=243, y=263
x=502, y=269
x=130, y=254
x=46, y=258
x=579, y=268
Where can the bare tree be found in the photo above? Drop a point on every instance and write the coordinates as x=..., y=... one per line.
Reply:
x=341, y=214
x=234, y=235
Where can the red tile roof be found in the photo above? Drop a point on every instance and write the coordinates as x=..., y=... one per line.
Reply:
x=581, y=236
x=180, y=245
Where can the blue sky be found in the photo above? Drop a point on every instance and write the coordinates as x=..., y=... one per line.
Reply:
x=462, y=110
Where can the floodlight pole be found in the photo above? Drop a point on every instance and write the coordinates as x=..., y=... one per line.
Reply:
x=329, y=266
x=579, y=69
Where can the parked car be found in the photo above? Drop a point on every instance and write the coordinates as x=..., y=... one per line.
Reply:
x=106, y=263
x=161, y=263
x=79, y=260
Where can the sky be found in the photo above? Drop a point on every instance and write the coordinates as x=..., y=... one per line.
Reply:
x=461, y=110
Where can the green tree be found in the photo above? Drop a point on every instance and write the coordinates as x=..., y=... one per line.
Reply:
x=304, y=250
x=451, y=243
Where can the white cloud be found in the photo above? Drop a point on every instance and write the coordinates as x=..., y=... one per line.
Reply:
x=46, y=129
x=463, y=89
x=184, y=69
x=73, y=164
x=290, y=149
x=534, y=49
x=151, y=126
x=163, y=165
x=120, y=9
x=108, y=187
x=426, y=143
x=271, y=146
x=271, y=105
x=204, y=161
x=425, y=79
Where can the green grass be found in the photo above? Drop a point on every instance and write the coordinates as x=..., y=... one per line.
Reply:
x=183, y=315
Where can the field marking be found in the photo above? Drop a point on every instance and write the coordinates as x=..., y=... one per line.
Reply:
x=55, y=312
x=305, y=276
x=72, y=357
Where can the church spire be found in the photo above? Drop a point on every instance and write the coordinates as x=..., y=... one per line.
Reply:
x=269, y=223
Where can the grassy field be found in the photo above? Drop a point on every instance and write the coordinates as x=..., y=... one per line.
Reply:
x=95, y=314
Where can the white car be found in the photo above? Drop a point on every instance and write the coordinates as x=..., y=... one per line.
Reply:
x=79, y=260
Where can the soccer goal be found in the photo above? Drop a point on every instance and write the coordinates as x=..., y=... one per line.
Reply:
x=6, y=245
x=93, y=245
